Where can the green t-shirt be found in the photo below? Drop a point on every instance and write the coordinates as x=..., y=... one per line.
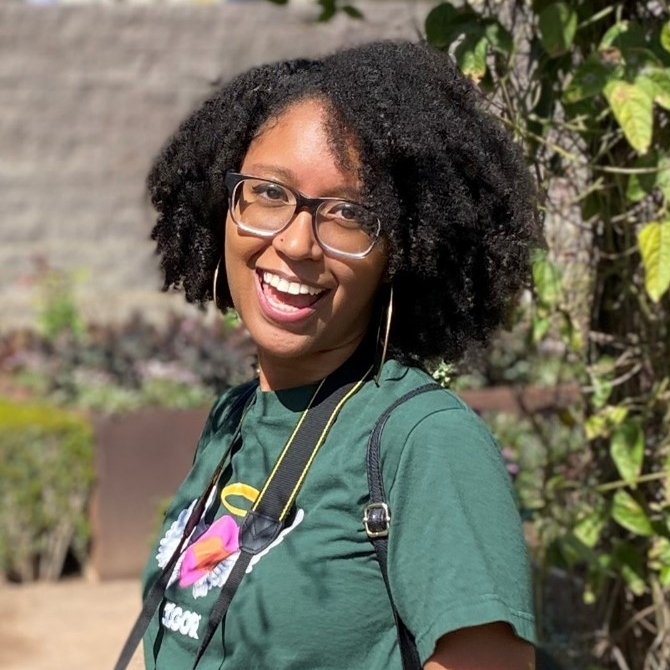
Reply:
x=316, y=598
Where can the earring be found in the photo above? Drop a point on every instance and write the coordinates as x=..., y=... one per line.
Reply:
x=387, y=331
x=216, y=281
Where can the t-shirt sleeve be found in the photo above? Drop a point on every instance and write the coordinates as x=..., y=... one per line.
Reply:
x=457, y=556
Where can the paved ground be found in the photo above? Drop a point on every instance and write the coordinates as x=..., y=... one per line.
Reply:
x=70, y=625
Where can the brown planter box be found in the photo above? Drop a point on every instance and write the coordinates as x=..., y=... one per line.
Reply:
x=140, y=460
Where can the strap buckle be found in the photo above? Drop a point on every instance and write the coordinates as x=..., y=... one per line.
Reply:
x=377, y=519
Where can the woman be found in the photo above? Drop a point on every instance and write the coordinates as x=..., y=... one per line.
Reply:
x=364, y=218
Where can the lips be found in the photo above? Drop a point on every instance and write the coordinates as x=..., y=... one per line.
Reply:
x=287, y=300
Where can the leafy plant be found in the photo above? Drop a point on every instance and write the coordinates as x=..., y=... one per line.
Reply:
x=587, y=87
x=58, y=311
x=46, y=469
x=182, y=363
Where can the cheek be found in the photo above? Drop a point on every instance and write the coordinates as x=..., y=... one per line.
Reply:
x=373, y=272
x=231, y=240
x=239, y=249
x=362, y=283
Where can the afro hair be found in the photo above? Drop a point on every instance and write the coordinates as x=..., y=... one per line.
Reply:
x=457, y=203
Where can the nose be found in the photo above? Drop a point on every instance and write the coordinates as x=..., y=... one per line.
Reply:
x=297, y=240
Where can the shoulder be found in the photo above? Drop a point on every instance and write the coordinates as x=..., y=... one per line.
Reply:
x=433, y=433
x=219, y=418
x=227, y=402
x=433, y=413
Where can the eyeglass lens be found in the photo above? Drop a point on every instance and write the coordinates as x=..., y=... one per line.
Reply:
x=266, y=207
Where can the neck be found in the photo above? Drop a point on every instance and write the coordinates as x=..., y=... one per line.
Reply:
x=276, y=374
x=283, y=373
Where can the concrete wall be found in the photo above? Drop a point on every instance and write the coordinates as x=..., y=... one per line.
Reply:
x=87, y=96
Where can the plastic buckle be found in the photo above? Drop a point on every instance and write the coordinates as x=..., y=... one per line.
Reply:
x=377, y=519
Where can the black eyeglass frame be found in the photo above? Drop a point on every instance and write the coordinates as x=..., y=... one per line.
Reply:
x=302, y=202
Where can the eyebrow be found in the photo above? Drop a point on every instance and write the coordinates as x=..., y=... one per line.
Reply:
x=278, y=173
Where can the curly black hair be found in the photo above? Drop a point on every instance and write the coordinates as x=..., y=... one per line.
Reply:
x=456, y=200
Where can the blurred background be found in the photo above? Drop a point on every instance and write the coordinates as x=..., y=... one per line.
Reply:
x=105, y=381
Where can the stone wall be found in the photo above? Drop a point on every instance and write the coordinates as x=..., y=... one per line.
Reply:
x=87, y=96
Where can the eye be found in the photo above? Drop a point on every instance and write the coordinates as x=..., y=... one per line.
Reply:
x=347, y=212
x=267, y=191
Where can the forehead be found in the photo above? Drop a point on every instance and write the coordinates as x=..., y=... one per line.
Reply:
x=305, y=141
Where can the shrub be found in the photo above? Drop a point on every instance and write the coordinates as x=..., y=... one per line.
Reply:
x=46, y=470
x=184, y=362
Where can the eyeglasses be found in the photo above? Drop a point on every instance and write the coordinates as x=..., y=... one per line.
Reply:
x=265, y=207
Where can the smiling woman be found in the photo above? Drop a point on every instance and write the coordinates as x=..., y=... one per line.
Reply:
x=323, y=326
x=364, y=217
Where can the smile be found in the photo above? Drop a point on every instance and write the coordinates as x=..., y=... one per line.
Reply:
x=286, y=300
x=291, y=287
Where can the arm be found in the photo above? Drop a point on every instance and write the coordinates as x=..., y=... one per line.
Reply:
x=492, y=646
x=457, y=557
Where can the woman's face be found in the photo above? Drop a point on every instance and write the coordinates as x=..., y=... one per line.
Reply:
x=320, y=326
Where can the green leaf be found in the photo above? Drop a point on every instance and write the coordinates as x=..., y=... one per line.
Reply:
x=638, y=60
x=439, y=25
x=540, y=328
x=589, y=79
x=659, y=80
x=328, y=10
x=623, y=35
x=595, y=426
x=627, y=512
x=615, y=414
x=558, y=25
x=665, y=36
x=657, y=175
x=627, y=450
x=632, y=105
x=570, y=333
x=659, y=556
x=642, y=184
x=498, y=36
x=470, y=55
x=602, y=390
x=609, y=417
x=631, y=566
x=654, y=244
x=353, y=12
x=589, y=528
x=547, y=279
x=573, y=550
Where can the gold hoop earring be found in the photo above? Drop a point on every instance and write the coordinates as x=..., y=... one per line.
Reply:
x=387, y=331
x=215, y=282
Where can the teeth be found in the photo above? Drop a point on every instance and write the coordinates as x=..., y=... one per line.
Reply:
x=285, y=286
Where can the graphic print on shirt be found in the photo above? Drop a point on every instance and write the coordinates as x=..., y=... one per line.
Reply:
x=212, y=551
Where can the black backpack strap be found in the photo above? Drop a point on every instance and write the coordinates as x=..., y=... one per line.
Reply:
x=377, y=518
x=155, y=593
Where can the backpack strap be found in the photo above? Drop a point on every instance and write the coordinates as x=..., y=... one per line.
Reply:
x=377, y=519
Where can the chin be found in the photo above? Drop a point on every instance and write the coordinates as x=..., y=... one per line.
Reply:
x=286, y=346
